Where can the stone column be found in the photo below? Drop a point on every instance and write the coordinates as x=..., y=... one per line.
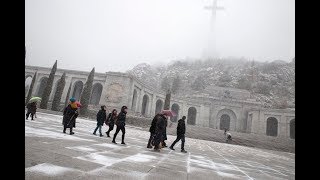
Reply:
x=204, y=116
x=65, y=89
x=153, y=105
x=282, y=128
x=139, y=100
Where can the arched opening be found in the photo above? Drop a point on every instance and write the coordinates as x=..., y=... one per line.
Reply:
x=175, y=108
x=27, y=84
x=192, y=114
x=96, y=94
x=272, y=126
x=225, y=122
x=43, y=83
x=134, y=100
x=77, y=89
x=145, y=103
x=159, y=106
x=292, y=129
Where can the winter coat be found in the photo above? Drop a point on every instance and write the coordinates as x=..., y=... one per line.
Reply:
x=101, y=117
x=69, y=116
x=152, y=128
x=161, y=124
x=32, y=107
x=181, y=128
x=165, y=129
x=111, y=119
x=121, y=120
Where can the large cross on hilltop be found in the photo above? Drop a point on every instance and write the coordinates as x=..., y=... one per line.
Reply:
x=211, y=51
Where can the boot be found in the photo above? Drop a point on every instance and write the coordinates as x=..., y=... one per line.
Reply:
x=101, y=135
x=164, y=144
x=108, y=135
x=114, y=140
x=171, y=148
x=71, y=133
x=122, y=139
x=184, y=151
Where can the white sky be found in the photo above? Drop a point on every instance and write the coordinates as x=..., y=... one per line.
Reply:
x=115, y=35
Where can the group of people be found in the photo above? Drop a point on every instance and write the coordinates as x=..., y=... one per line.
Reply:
x=112, y=119
x=158, y=132
x=158, y=129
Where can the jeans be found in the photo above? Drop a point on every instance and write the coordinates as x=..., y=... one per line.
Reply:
x=182, y=137
x=98, y=126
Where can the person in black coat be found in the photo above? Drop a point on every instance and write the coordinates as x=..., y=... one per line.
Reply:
x=110, y=121
x=159, y=131
x=152, y=130
x=165, y=134
x=70, y=114
x=32, y=108
x=101, y=118
x=181, y=130
x=121, y=122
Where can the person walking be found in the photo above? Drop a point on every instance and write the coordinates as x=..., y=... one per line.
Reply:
x=181, y=130
x=111, y=120
x=101, y=118
x=70, y=114
x=32, y=108
x=121, y=122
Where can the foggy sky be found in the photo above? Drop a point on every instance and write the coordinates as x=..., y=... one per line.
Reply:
x=115, y=35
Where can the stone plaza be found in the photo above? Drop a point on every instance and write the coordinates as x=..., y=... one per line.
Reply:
x=51, y=154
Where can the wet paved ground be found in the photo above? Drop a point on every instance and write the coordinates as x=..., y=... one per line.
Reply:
x=50, y=154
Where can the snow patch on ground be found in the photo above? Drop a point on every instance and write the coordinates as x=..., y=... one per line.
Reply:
x=34, y=132
x=113, y=146
x=49, y=169
x=100, y=159
x=82, y=148
x=140, y=158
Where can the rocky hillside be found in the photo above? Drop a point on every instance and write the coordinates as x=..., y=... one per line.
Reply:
x=272, y=83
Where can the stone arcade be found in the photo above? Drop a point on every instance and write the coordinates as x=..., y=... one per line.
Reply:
x=228, y=108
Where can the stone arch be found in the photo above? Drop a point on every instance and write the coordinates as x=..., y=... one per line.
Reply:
x=42, y=85
x=159, y=106
x=134, y=100
x=272, y=126
x=28, y=75
x=225, y=122
x=223, y=116
x=77, y=90
x=27, y=84
x=292, y=129
x=145, y=104
x=192, y=115
x=96, y=93
x=175, y=108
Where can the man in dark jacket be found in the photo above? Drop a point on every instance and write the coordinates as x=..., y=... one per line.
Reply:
x=152, y=129
x=181, y=130
x=101, y=117
x=70, y=114
x=32, y=108
x=159, y=131
x=121, y=122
